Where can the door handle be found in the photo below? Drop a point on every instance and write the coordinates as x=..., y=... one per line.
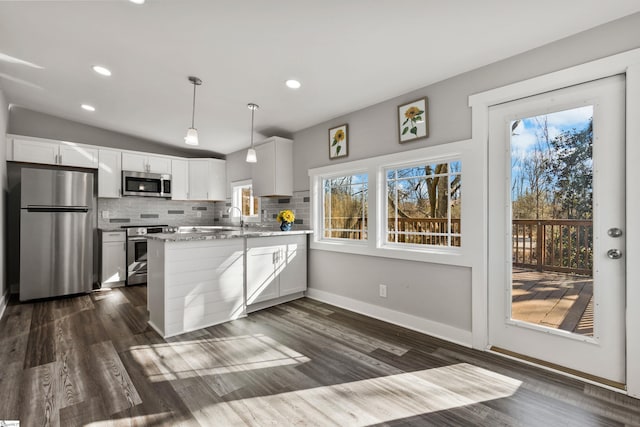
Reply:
x=614, y=253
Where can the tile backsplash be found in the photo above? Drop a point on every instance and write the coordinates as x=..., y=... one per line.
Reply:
x=148, y=210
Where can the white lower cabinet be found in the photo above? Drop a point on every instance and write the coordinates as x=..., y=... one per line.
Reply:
x=276, y=267
x=113, y=265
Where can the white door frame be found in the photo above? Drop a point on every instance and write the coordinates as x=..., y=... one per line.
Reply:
x=624, y=63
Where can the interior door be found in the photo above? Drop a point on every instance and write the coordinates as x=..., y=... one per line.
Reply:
x=556, y=228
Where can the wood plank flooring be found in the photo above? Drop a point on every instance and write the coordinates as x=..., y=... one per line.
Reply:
x=92, y=360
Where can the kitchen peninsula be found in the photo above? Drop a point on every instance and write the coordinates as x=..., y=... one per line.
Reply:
x=202, y=276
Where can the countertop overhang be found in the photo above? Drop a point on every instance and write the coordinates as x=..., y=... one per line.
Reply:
x=226, y=233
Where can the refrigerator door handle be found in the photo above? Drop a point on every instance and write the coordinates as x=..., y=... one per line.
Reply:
x=80, y=209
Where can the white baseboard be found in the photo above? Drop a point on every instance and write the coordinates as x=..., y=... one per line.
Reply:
x=409, y=321
x=4, y=299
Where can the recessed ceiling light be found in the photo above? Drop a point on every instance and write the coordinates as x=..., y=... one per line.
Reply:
x=88, y=107
x=137, y=1
x=293, y=84
x=101, y=70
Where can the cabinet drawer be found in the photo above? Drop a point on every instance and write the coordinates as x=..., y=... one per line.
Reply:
x=113, y=236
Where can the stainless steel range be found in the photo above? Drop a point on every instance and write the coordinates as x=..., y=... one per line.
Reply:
x=137, y=250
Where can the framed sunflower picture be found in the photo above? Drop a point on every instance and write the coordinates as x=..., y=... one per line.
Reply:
x=339, y=141
x=413, y=120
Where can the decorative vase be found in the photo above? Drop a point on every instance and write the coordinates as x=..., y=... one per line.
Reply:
x=285, y=226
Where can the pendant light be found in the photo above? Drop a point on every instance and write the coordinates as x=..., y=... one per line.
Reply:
x=192, y=132
x=251, y=152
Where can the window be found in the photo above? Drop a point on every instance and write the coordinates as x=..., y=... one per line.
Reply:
x=243, y=199
x=345, y=207
x=405, y=205
x=423, y=204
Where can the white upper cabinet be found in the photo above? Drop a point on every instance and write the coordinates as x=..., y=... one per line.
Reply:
x=54, y=153
x=207, y=179
x=109, y=173
x=159, y=164
x=179, y=179
x=142, y=162
x=273, y=173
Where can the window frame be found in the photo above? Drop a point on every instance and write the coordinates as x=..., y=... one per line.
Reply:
x=384, y=231
x=376, y=231
x=235, y=199
x=322, y=219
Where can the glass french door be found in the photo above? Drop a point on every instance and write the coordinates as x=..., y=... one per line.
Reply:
x=556, y=228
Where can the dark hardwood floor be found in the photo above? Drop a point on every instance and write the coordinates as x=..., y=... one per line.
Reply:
x=92, y=359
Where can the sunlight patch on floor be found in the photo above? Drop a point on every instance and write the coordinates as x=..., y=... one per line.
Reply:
x=184, y=359
x=375, y=400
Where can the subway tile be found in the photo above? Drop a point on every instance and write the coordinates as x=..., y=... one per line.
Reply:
x=117, y=220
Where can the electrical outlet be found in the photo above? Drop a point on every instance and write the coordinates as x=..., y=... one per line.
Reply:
x=199, y=214
x=105, y=214
x=383, y=291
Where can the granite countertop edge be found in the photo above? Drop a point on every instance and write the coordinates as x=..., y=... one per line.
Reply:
x=223, y=234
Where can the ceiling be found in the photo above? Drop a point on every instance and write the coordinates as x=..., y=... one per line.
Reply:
x=347, y=54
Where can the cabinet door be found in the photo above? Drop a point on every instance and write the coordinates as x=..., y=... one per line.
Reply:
x=109, y=173
x=273, y=174
x=198, y=179
x=35, y=151
x=77, y=155
x=217, y=179
x=263, y=172
x=262, y=279
x=283, y=181
x=159, y=164
x=293, y=265
x=179, y=179
x=113, y=267
x=134, y=162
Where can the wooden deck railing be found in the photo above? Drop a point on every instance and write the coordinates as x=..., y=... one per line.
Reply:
x=428, y=231
x=562, y=245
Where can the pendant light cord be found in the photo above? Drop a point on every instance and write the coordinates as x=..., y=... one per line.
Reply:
x=193, y=110
x=253, y=111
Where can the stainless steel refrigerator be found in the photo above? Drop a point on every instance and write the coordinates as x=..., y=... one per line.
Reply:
x=57, y=221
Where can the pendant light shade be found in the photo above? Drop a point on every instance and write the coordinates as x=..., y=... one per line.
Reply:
x=251, y=152
x=251, y=156
x=192, y=132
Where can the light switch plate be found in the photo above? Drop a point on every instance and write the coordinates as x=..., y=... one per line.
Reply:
x=105, y=214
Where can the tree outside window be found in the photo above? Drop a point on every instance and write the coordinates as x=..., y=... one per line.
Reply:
x=345, y=207
x=423, y=204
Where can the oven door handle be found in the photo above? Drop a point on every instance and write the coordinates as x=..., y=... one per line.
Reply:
x=136, y=239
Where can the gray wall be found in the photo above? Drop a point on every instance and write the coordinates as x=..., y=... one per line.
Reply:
x=438, y=293
x=4, y=120
x=33, y=123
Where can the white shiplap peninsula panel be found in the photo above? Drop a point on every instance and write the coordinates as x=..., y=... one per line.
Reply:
x=202, y=285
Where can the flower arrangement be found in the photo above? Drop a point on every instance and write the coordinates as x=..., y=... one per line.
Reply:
x=286, y=216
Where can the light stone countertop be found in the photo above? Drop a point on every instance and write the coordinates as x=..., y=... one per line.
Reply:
x=224, y=232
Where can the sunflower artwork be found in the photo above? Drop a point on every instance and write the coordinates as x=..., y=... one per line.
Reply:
x=412, y=120
x=338, y=143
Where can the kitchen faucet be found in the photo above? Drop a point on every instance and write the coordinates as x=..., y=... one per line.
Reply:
x=240, y=211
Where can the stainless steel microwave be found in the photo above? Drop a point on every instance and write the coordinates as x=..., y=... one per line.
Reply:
x=144, y=184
